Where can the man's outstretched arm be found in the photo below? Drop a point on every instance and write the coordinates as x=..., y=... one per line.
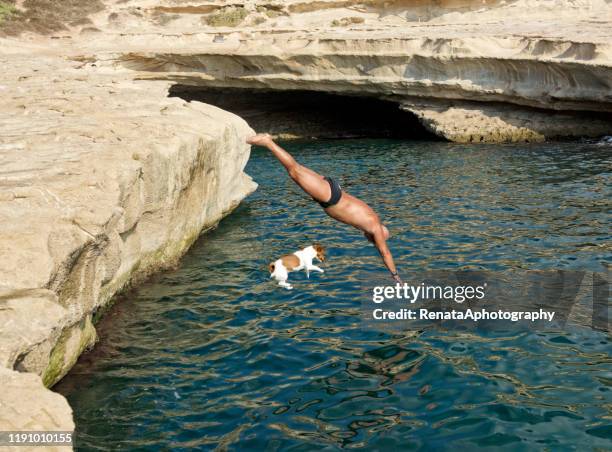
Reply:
x=383, y=249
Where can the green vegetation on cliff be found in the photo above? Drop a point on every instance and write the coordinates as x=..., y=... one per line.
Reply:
x=6, y=11
x=227, y=17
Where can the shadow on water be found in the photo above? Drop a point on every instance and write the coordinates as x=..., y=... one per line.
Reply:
x=213, y=355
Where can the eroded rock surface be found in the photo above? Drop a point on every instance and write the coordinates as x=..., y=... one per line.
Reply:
x=26, y=405
x=535, y=57
x=477, y=122
x=103, y=180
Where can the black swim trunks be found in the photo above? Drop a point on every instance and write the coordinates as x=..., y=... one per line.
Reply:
x=336, y=193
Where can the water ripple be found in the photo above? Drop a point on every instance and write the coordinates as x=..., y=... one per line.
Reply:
x=214, y=356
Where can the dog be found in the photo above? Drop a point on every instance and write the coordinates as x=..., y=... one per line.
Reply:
x=302, y=259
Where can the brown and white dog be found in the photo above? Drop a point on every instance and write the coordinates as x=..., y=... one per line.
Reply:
x=299, y=260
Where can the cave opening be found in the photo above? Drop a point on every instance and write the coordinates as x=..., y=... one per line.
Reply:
x=311, y=114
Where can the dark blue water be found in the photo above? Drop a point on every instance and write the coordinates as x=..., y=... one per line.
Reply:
x=215, y=356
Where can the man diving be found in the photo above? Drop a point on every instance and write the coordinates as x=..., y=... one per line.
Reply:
x=336, y=203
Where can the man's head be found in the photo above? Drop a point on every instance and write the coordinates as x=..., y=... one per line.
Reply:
x=370, y=237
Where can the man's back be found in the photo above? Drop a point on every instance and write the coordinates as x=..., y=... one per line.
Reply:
x=353, y=211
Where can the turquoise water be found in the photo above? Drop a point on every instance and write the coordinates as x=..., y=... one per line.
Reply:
x=214, y=356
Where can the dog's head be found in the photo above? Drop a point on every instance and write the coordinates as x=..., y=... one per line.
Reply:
x=320, y=251
x=271, y=267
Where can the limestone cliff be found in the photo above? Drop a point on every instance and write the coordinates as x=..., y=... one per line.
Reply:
x=470, y=70
x=103, y=180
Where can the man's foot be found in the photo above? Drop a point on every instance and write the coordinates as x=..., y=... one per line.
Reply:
x=261, y=139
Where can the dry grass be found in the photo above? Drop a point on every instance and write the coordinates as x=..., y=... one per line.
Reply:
x=346, y=21
x=227, y=17
x=46, y=16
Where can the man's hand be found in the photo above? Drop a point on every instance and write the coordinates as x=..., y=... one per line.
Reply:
x=379, y=236
x=261, y=139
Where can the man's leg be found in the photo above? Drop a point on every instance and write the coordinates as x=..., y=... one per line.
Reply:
x=311, y=182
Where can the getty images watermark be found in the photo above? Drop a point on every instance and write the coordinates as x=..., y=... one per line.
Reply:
x=491, y=300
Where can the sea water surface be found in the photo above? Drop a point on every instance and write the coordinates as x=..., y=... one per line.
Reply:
x=213, y=355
